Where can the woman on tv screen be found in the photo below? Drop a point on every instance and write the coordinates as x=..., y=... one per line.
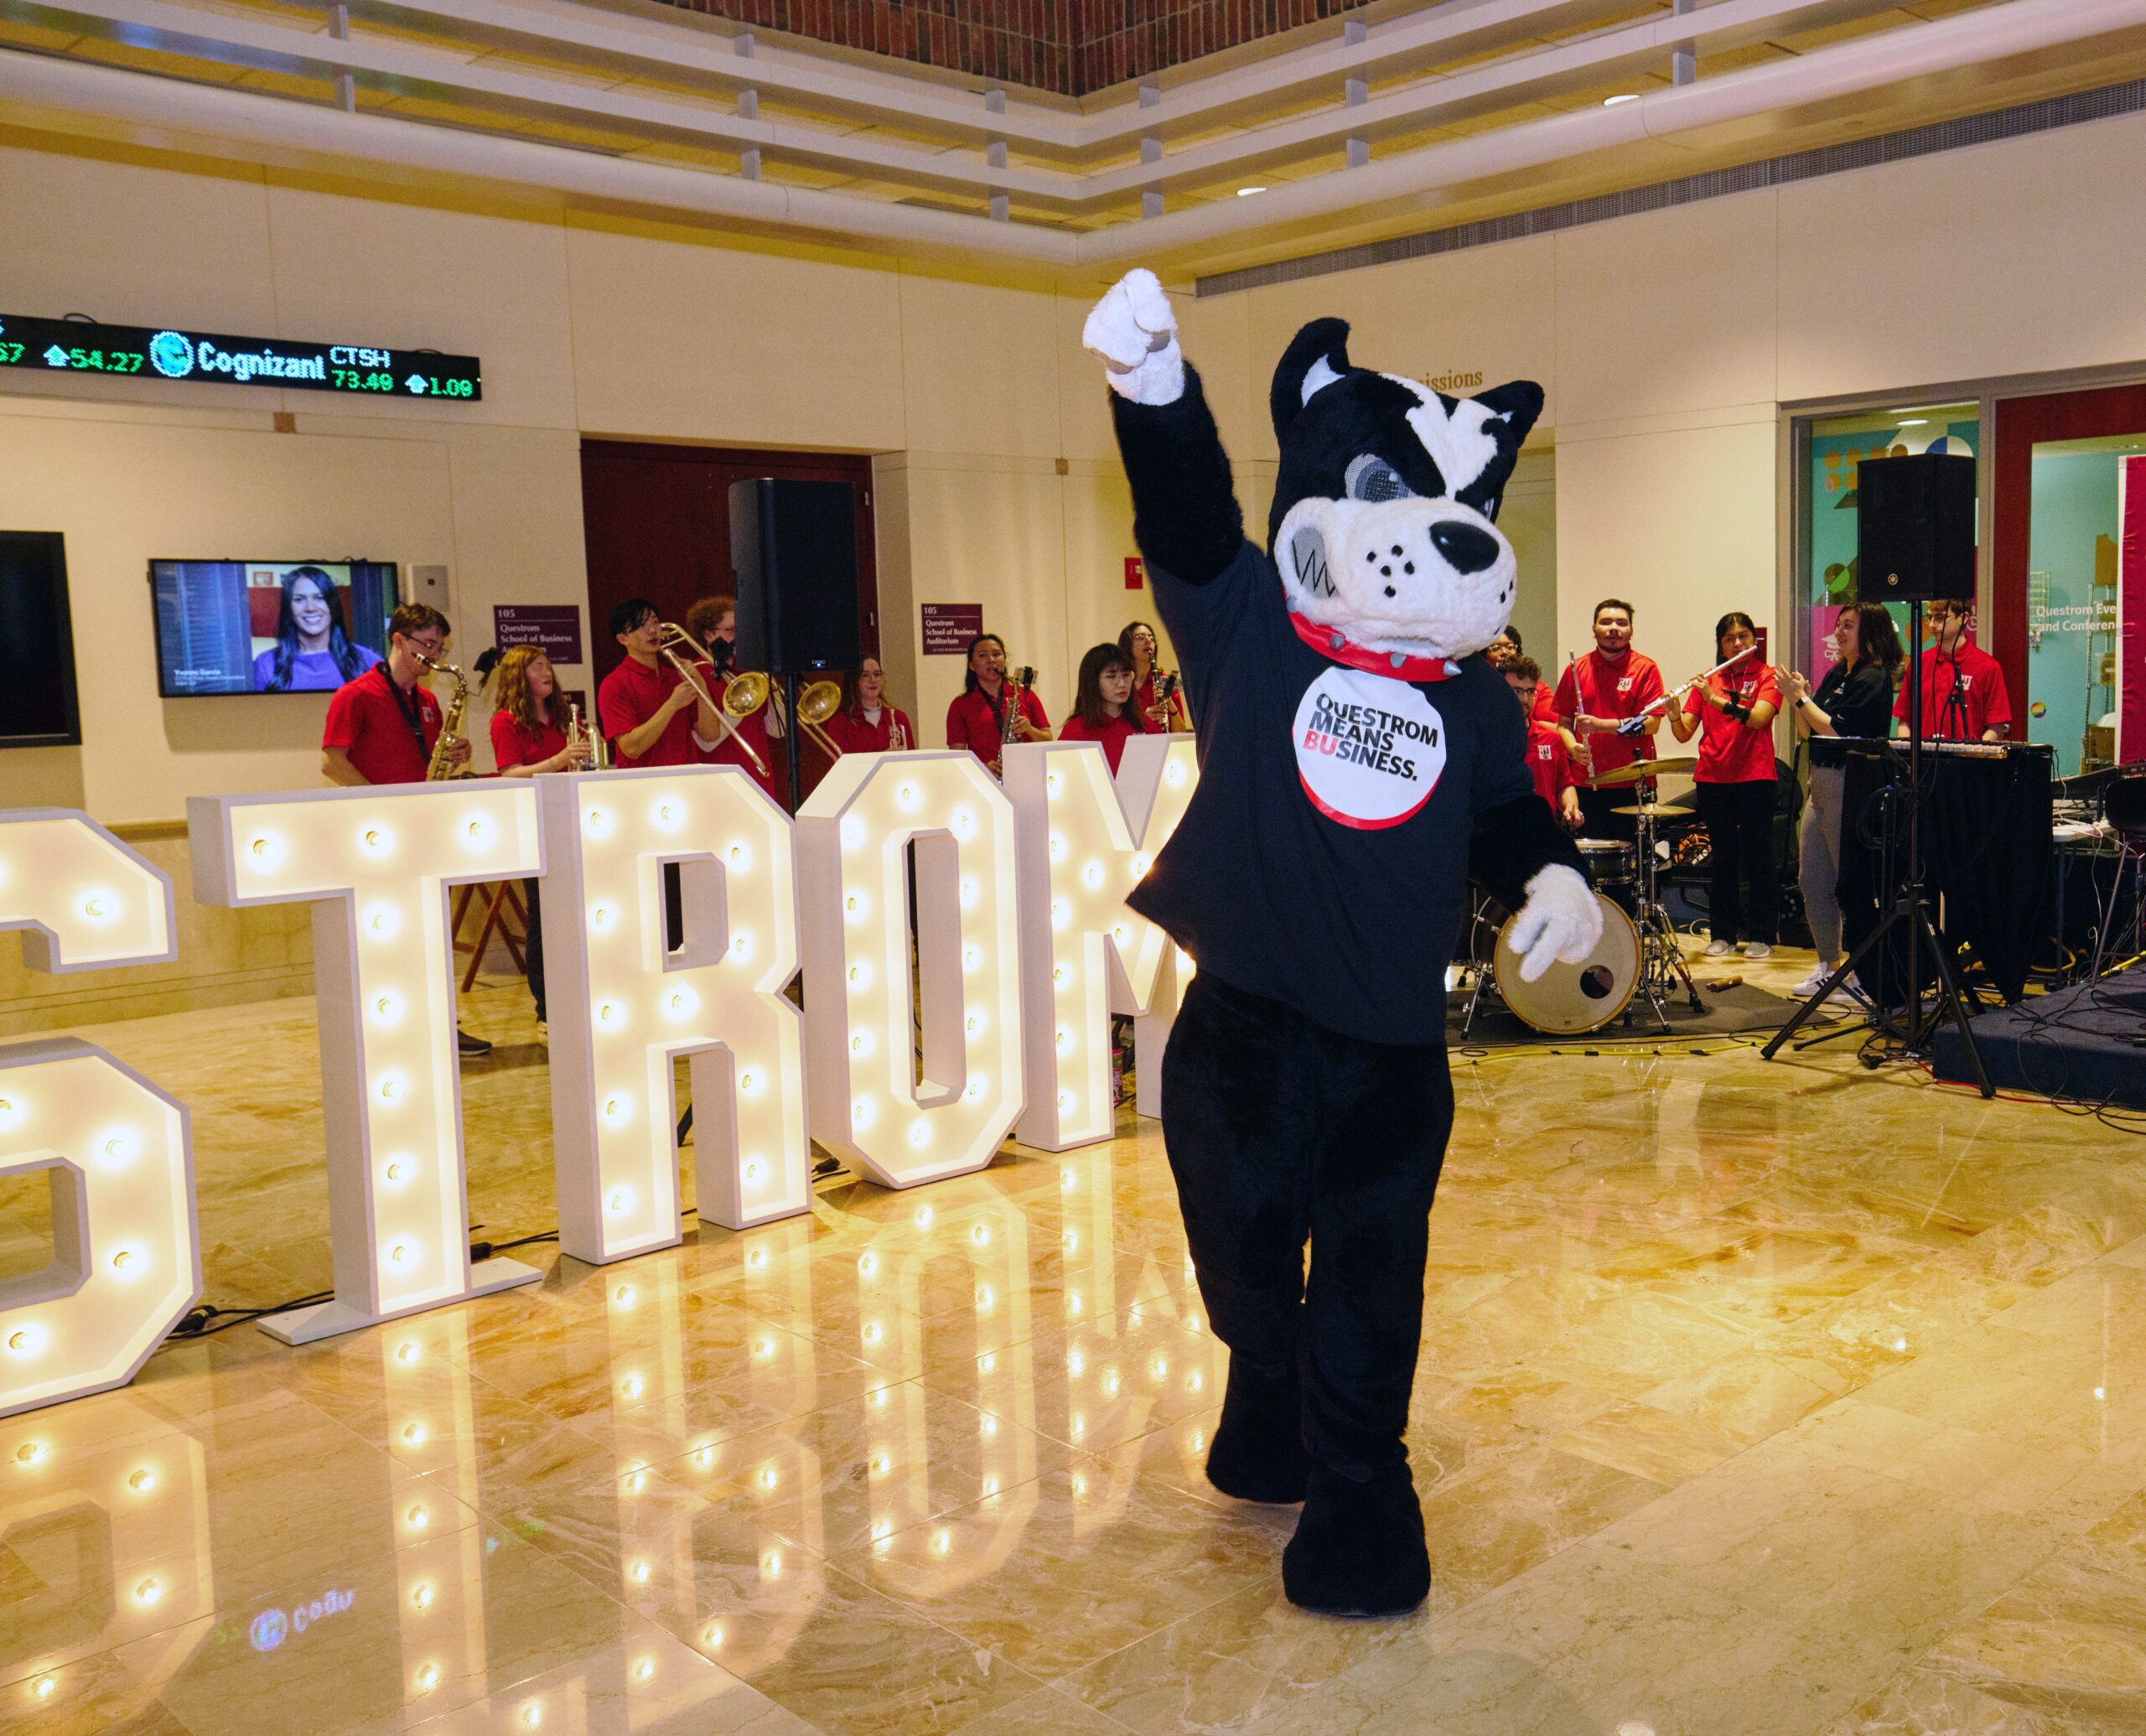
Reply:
x=312, y=653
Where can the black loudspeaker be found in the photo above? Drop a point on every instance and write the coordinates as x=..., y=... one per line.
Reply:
x=1914, y=528
x=793, y=550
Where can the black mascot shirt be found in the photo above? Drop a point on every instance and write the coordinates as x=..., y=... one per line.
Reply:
x=1323, y=859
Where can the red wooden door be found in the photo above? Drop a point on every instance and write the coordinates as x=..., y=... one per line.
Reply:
x=655, y=520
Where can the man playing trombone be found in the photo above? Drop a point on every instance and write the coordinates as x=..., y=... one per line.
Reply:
x=651, y=713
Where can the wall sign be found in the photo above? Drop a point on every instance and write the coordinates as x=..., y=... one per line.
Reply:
x=74, y=346
x=948, y=627
x=554, y=629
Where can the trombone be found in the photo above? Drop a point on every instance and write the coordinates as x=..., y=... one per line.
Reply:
x=745, y=694
x=819, y=702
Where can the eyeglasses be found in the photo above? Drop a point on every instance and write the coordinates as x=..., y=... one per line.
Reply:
x=430, y=647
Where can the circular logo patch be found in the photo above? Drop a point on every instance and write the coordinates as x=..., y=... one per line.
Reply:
x=1369, y=750
x=172, y=354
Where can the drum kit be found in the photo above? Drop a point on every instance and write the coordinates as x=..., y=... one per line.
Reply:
x=1637, y=958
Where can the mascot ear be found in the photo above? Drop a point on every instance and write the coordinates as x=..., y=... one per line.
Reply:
x=1317, y=357
x=1513, y=409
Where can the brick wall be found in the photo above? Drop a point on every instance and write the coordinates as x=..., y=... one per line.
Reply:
x=1070, y=46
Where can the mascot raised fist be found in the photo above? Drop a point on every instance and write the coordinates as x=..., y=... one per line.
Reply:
x=1359, y=761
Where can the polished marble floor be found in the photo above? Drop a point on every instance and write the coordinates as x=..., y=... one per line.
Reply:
x=1752, y=1398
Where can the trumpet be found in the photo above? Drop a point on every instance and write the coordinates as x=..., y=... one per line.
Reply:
x=441, y=766
x=744, y=695
x=819, y=702
x=599, y=750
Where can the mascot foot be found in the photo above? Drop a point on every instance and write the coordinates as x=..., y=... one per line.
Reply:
x=1359, y=1547
x=1258, y=1453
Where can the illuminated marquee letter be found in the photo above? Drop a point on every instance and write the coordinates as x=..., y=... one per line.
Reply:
x=126, y=1261
x=903, y=1123
x=624, y=1006
x=376, y=866
x=1086, y=840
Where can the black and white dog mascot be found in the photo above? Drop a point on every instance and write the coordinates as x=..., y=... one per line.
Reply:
x=1359, y=762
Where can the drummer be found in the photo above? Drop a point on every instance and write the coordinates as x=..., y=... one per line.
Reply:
x=1735, y=708
x=1610, y=685
x=1548, y=762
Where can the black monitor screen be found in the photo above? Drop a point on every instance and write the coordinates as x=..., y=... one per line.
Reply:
x=268, y=626
x=37, y=644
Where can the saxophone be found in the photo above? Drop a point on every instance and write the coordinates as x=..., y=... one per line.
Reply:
x=1017, y=682
x=599, y=750
x=450, y=730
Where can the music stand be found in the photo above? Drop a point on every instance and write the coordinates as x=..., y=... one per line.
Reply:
x=1908, y=912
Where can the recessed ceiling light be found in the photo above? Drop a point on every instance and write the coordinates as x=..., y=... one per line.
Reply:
x=1246, y=192
x=1622, y=97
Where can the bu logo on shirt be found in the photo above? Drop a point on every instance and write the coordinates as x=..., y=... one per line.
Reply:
x=1624, y=684
x=1369, y=750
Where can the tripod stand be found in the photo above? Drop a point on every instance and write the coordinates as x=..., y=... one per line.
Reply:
x=1911, y=913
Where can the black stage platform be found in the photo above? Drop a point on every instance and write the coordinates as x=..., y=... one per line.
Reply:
x=2087, y=1043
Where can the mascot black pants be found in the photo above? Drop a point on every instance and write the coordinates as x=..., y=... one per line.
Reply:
x=1280, y=1129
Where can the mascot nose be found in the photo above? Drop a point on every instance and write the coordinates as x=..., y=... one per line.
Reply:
x=1465, y=548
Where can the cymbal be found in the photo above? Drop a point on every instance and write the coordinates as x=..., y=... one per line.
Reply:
x=1641, y=769
x=1654, y=810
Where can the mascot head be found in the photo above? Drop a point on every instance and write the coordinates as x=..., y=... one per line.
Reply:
x=1386, y=505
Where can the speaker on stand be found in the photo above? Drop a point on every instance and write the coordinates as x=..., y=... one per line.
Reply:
x=793, y=555
x=1915, y=544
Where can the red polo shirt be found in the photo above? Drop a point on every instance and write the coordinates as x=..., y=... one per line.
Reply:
x=1602, y=689
x=370, y=725
x=1545, y=705
x=1979, y=681
x=851, y=732
x=753, y=728
x=1730, y=752
x=1143, y=697
x=632, y=694
x=1113, y=733
x=1548, y=763
x=972, y=721
x=516, y=744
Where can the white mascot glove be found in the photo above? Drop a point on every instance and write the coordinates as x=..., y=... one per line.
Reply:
x=1134, y=334
x=1560, y=920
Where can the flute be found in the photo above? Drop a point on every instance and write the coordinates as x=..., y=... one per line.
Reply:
x=1633, y=725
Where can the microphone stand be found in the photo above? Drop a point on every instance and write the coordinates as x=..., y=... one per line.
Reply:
x=1910, y=912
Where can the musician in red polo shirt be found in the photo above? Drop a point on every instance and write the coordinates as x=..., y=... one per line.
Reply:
x=976, y=720
x=650, y=711
x=1137, y=640
x=713, y=621
x=867, y=724
x=382, y=727
x=1102, y=707
x=1548, y=762
x=1610, y=684
x=1963, y=696
x=1500, y=652
x=528, y=739
x=1735, y=708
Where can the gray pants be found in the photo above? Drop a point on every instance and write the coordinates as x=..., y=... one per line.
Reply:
x=1818, y=858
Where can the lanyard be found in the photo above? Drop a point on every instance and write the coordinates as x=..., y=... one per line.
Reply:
x=412, y=707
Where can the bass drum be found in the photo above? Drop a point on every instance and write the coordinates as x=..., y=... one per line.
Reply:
x=1568, y=999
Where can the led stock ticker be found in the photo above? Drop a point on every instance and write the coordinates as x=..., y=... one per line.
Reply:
x=624, y=1005
x=125, y=1262
x=378, y=867
x=167, y=355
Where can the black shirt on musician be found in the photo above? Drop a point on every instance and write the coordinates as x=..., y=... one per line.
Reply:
x=1860, y=702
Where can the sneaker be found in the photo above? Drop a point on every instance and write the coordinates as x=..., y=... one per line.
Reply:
x=1719, y=949
x=1757, y=949
x=543, y=1032
x=468, y=1045
x=1812, y=984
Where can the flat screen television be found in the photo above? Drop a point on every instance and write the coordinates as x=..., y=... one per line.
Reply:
x=268, y=626
x=38, y=706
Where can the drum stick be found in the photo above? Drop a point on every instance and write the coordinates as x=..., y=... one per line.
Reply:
x=1633, y=725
